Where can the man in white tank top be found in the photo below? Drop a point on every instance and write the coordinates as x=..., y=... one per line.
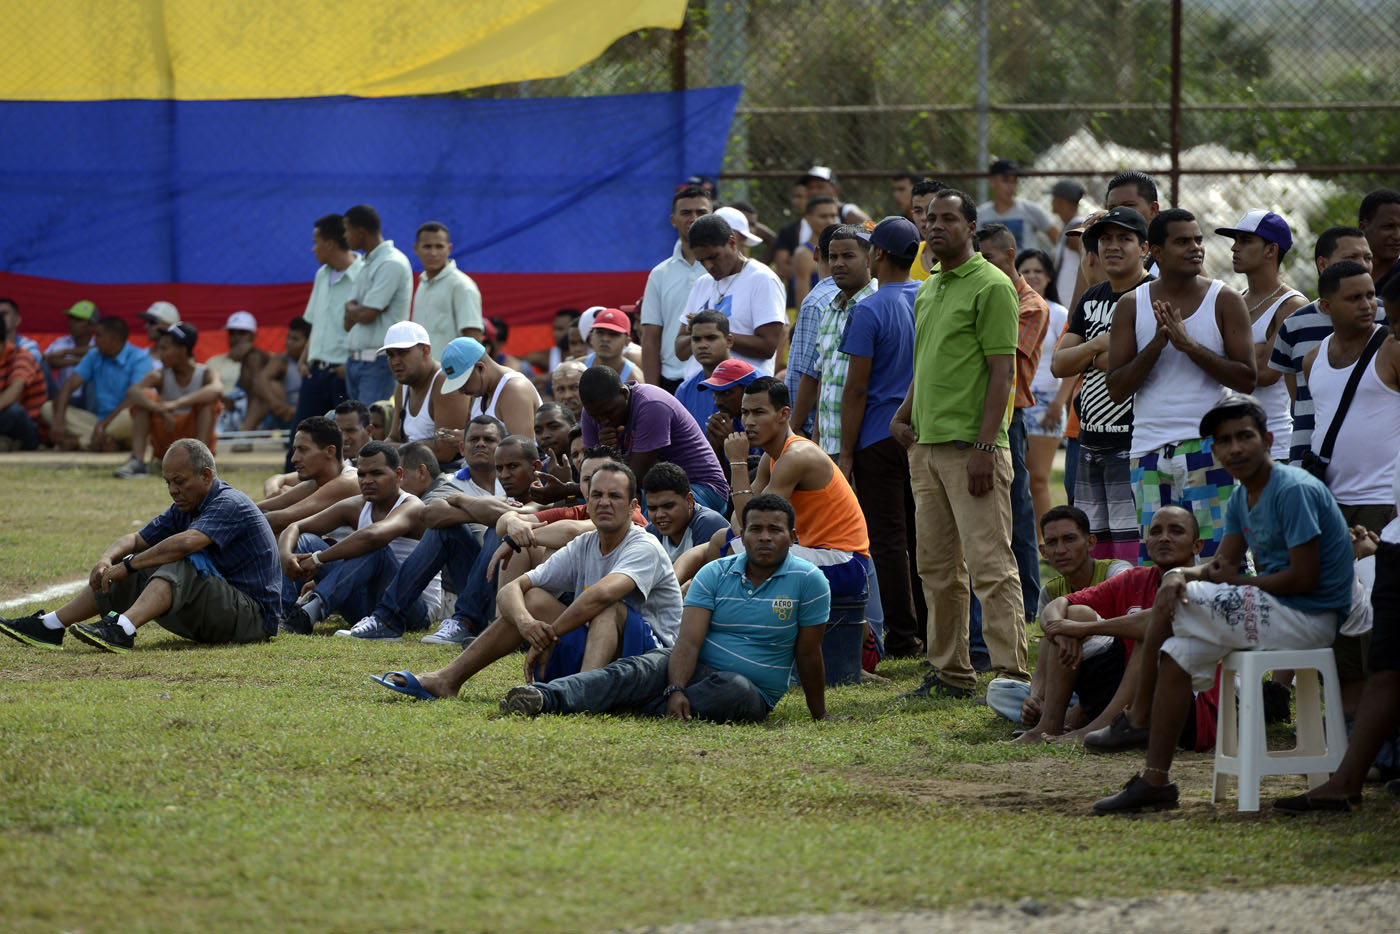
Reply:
x=1261, y=240
x=1174, y=345
x=422, y=412
x=351, y=575
x=500, y=391
x=180, y=400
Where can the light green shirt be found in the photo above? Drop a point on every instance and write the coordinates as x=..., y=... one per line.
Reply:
x=832, y=364
x=385, y=283
x=446, y=304
x=960, y=318
x=325, y=311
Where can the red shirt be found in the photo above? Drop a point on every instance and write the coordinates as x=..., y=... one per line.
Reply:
x=1030, y=338
x=560, y=513
x=16, y=364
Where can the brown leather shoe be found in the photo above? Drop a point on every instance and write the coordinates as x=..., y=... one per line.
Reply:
x=1117, y=736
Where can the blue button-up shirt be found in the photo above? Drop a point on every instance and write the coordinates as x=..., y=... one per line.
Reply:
x=111, y=377
x=241, y=547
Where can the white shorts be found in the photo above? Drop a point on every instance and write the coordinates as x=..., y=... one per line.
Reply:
x=1218, y=619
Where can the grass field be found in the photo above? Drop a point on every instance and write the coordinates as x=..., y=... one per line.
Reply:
x=181, y=787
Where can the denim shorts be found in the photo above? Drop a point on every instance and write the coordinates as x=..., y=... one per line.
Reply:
x=1034, y=415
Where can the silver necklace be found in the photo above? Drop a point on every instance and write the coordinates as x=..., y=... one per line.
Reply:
x=1260, y=304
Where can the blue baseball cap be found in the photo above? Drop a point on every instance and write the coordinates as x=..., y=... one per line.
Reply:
x=1273, y=228
x=895, y=235
x=458, y=358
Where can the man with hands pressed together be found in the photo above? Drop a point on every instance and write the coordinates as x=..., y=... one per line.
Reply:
x=205, y=569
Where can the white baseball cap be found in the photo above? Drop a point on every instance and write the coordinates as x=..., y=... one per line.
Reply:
x=739, y=224
x=585, y=320
x=161, y=313
x=241, y=321
x=405, y=334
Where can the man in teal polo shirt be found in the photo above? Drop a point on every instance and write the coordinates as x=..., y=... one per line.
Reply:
x=747, y=618
x=110, y=368
x=953, y=422
x=383, y=291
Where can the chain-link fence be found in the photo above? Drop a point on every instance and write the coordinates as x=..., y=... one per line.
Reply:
x=1231, y=104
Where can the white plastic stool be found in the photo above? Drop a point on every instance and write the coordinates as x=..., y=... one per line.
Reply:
x=1243, y=750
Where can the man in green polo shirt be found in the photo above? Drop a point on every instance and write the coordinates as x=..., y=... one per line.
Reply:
x=953, y=422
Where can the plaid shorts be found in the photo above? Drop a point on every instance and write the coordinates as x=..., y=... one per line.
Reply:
x=1103, y=488
x=1185, y=474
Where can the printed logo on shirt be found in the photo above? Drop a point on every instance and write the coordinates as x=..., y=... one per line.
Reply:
x=724, y=306
x=783, y=609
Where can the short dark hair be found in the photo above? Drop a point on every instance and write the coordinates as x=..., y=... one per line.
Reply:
x=564, y=411
x=996, y=232
x=769, y=502
x=355, y=406
x=300, y=325
x=928, y=186
x=1331, y=279
x=1157, y=230
x=1146, y=187
x=573, y=313
x=712, y=316
x=1241, y=406
x=818, y=200
x=690, y=191
x=1060, y=513
x=332, y=227
x=493, y=421
x=11, y=302
x=391, y=453
x=969, y=207
x=1327, y=242
x=616, y=466
x=665, y=476
x=114, y=326
x=1374, y=201
x=1391, y=296
x=417, y=454
x=526, y=444
x=775, y=388
x=824, y=240
x=600, y=383
x=602, y=450
x=502, y=328
x=324, y=433
x=849, y=232
x=710, y=230
x=364, y=217
x=432, y=227
x=575, y=432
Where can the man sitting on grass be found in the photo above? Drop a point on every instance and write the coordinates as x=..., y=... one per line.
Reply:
x=180, y=400
x=205, y=569
x=677, y=520
x=325, y=478
x=1302, y=549
x=352, y=417
x=746, y=619
x=625, y=601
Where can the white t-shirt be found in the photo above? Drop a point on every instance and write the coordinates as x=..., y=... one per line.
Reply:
x=752, y=297
x=1029, y=223
x=1045, y=381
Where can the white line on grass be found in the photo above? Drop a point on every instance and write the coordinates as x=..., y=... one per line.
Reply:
x=57, y=590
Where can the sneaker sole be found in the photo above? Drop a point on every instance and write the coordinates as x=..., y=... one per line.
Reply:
x=346, y=634
x=434, y=640
x=99, y=643
x=522, y=703
x=29, y=640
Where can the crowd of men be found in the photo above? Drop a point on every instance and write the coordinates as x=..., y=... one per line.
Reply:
x=681, y=508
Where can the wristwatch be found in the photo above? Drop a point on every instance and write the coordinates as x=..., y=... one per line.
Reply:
x=671, y=689
x=507, y=540
x=983, y=446
x=126, y=563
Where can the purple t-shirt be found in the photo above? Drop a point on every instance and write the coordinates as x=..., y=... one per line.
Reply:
x=658, y=422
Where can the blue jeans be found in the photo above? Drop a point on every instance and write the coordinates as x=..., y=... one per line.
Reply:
x=369, y=382
x=636, y=684
x=455, y=548
x=320, y=392
x=353, y=586
x=1071, y=467
x=1005, y=697
x=16, y=423
x=1023, y=537
x=710, y=497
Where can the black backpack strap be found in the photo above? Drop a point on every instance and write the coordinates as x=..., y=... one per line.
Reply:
x=1372, y=346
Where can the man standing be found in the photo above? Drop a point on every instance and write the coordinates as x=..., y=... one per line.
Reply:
x=1261, y=240
x=447, y=303
x=1064, y=204
x=879, y=343
x=422, y=411
x=205, y=569
x=953, y=423
x=1379, y=219
x=902, y=192
x=67, y=351
x=1028, y=223
x=747, y=619
x=999, y=249
x=22, y=395
x=1103, y=486
x=923, y=196
x=820, y=213
x=668, y=288
x=1303, y=555
x=677, y=520
x=742, y=289
x=381, y=298
x=110, y=368
x=802, y=349
x=180, y=400
x=1175, y=342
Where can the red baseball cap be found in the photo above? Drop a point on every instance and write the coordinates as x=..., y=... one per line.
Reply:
x=731, y=373
x=612, y=319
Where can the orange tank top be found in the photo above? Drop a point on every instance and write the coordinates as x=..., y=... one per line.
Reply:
x=829, y=517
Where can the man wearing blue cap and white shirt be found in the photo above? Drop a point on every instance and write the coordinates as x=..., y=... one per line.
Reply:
x=383, y=291
x=500, y=392
x=1261, y=240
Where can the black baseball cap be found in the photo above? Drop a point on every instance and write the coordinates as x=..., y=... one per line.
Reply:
x=1004, y=167
x=1126, y=218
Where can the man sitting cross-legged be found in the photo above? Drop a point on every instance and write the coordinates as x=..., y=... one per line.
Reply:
x=1067, y=546
x=180, y=400
x=205, y=569
x=626, y=601
x=746, y=619
x=1302, y=548
x=326, y=478
x=353, y=419
x=351, y=575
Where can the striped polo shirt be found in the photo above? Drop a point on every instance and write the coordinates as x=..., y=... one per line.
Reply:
x=17, y=364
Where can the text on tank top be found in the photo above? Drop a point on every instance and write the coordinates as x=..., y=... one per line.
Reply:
x=1168, y=406
x=1364, y=454
x=419, y=426
x=170, y=389
x=829, y=517
x=1274, y=398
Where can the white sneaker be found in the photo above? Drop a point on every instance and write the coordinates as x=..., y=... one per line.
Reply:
x=132, y=468
x=451, y=632
x=370, y=628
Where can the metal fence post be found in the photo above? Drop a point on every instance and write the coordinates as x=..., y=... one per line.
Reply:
x=983, y=56
x=1175, y=183
x=729, y=51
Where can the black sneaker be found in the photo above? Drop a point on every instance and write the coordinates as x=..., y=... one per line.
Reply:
x=30, y=631
x=297, y=622
x=932, y=684
x=105, y=634
x=1118, y=736
x=1138, y=795
x=526, y=701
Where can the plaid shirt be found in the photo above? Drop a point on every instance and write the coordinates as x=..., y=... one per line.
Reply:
x=1030, y=338
x=832, y=365
x=802, y=354
x=16, y=365
x=241, y=548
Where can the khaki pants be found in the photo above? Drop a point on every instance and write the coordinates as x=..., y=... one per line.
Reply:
x=958, y=534
x=80, y=422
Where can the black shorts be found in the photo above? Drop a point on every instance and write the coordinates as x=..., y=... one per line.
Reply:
x=1099, y=677
x=1384, y=654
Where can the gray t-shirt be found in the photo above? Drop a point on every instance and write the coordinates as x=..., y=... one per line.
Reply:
x=1029, y=223
x=581, y=563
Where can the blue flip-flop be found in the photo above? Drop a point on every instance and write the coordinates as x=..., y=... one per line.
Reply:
x=411, y=685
